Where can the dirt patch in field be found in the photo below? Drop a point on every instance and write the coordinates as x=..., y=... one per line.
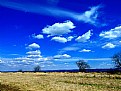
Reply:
x=6, y=87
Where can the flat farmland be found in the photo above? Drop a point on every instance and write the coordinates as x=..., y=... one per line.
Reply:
x=60, y=81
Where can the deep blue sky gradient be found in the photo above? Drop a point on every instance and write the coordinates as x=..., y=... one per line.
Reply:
x=18, y=25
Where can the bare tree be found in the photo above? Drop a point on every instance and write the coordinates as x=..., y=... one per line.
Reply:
x=37, y=68
x=117, y=60
x=20, y=70
x=82, y=65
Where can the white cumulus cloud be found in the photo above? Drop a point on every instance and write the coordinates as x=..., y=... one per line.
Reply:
x=59, y=28
x=37, y=52
x=34, y=56
x=39, y=36
x=85, y=50
x=62, y=56
x=84, y=37
x=109, y=45
x=33, y=46
x=70, y=38
x=111, y=34
x=59, y=39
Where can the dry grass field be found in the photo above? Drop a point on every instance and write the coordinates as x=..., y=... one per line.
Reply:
x=60, y=82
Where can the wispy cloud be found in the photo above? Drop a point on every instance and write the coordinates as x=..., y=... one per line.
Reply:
x=74, y=59
x=85, y=50
x=14, y=54
x=69, y=48
x=99, y=59
x=89, y=16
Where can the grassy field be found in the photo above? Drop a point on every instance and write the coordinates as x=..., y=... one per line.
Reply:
x=60, y=82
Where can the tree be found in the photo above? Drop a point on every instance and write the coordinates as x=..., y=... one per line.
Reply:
x=20, y=70
x=117, y=60
x=82, y=65
x=37, y=68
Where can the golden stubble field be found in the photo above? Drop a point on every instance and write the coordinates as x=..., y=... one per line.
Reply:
x=60, y=82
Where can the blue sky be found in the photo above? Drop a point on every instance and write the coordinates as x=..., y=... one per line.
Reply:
x=56, y=33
